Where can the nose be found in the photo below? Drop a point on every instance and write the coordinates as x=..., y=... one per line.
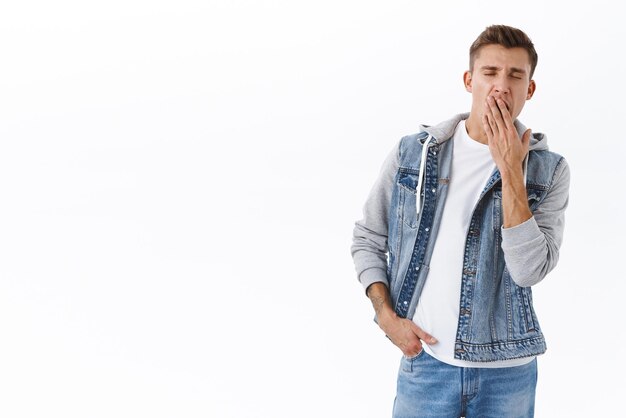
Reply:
x=501, y=86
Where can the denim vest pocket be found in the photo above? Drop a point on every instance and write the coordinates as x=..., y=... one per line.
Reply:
x=529, y=314
x=407, y=202
x=535, y=195
x=524, y=320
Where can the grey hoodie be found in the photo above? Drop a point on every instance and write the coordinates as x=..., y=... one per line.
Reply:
x=530, y=249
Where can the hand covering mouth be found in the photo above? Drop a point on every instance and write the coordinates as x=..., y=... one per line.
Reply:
x=506, y=104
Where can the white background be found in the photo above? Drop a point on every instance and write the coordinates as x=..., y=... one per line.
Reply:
x=179, y=182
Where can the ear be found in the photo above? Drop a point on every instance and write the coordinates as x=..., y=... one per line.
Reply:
x=531, y=89
x=467, y=80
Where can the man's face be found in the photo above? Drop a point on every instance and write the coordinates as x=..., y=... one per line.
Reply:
x=502, y=73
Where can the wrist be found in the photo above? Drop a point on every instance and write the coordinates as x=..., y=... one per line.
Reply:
x=511, y=173
x=386, y=316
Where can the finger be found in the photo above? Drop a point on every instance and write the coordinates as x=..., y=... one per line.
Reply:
x=412, y=352
x=526, y=138
x=423, y=335
x=491, y=119
x=506, y=116
x=496, y=113
x=487, y=127
x=413, y=347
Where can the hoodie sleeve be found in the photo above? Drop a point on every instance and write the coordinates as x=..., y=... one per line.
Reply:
x=369, y=243
x=531, y=249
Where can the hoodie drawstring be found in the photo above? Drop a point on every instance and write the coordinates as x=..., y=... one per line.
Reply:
x=420, y=178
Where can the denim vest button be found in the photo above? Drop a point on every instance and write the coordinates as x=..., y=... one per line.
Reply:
x=427, y=229
x=434, y=190
x=417, y=268
x=405, y=302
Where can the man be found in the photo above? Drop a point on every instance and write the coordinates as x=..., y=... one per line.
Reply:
x=464, y=218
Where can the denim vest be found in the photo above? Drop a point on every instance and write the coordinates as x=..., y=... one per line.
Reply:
x=497, y=320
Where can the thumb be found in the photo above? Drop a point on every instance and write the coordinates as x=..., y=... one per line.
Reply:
x=423, y=335
x=526, y=137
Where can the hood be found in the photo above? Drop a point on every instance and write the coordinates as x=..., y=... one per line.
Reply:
x=444, y=131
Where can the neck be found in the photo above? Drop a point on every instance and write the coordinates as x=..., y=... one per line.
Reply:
x=474, y=127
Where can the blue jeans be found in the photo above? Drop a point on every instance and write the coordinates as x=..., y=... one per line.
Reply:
x=428, y=388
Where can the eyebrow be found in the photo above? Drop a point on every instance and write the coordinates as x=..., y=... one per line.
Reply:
x=494, y=68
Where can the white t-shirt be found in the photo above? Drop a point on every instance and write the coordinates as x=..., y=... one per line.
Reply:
x=438, y=308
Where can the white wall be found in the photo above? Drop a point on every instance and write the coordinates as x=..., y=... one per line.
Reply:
x=179, y=182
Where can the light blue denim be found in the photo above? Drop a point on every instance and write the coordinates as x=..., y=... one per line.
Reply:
x=428, y=388
x=393, y=243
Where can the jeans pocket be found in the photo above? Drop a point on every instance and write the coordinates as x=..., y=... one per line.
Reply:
x=407, y=362
x=415, y=356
